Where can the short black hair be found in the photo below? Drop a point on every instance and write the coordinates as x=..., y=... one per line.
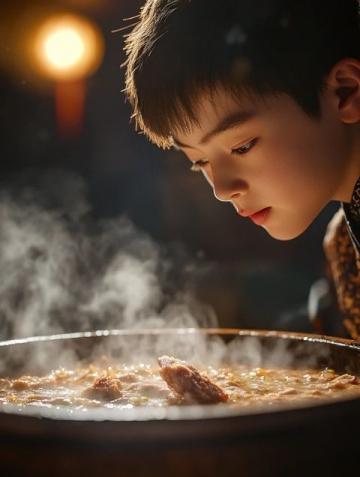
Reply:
x=180, y=49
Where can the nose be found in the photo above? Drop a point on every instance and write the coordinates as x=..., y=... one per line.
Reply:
x=227, y=184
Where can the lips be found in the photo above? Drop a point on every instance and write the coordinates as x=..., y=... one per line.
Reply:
x=259, y=217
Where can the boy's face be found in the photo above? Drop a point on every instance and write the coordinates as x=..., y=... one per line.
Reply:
x=270, y=155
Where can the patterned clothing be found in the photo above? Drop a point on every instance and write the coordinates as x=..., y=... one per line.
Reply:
x=342, y=249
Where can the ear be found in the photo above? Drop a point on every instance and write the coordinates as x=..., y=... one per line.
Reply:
x=344, y=82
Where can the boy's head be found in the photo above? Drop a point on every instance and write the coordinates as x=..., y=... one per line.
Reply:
x=264, y=96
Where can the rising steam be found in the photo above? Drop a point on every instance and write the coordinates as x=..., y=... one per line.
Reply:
x=61, y=271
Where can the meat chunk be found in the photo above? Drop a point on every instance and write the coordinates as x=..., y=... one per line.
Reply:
x=104, y=389
x=187, y=382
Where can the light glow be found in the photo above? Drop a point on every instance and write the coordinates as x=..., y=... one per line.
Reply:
x=64, y=48
x=68, y=47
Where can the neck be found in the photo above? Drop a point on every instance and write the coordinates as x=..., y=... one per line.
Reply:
x=351, y=173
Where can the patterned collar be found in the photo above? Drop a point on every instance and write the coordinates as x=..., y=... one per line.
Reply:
x=352, y=215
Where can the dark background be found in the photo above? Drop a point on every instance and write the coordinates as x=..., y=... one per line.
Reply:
x=249, y=278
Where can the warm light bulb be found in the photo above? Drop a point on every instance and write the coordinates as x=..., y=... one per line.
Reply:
x=68, y=47
x=64, y=48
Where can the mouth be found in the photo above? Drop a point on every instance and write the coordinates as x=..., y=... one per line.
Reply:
x=259, y=218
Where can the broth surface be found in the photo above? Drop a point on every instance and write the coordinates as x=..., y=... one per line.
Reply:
x=125, y=387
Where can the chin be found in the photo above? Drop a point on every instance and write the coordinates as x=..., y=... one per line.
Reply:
x=285, y=234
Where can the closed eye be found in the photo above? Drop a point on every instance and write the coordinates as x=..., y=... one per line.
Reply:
x=245, y=148
x=197, y=166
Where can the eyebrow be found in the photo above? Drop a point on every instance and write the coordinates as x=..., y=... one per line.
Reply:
x=231, y=121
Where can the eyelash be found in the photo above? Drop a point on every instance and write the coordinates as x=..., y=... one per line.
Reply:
x=198, y=165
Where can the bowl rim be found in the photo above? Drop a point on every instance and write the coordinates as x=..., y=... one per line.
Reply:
x=309, y=337
x=193, y=412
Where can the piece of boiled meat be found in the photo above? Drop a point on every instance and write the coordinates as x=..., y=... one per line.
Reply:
x=186, y=381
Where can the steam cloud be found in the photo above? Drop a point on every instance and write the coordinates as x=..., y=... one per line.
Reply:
x=61, y=271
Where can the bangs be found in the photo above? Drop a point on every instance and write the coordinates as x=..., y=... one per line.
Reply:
x=167, y=102
x=161, y=116
x=169, y=109
x=168, y=73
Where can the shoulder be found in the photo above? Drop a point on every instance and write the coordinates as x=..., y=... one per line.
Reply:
x=336, y=232
x=339, y=244
x=352, y=220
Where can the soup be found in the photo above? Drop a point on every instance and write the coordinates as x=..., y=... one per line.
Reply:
x=173, y=382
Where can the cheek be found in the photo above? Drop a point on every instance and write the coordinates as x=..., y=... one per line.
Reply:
x=285, y=169
x=302, y=168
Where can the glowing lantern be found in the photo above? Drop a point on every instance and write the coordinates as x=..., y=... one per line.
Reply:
x=64, y=48
x=68, y=48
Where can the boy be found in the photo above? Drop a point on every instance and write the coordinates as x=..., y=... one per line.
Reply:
x=263, y=97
